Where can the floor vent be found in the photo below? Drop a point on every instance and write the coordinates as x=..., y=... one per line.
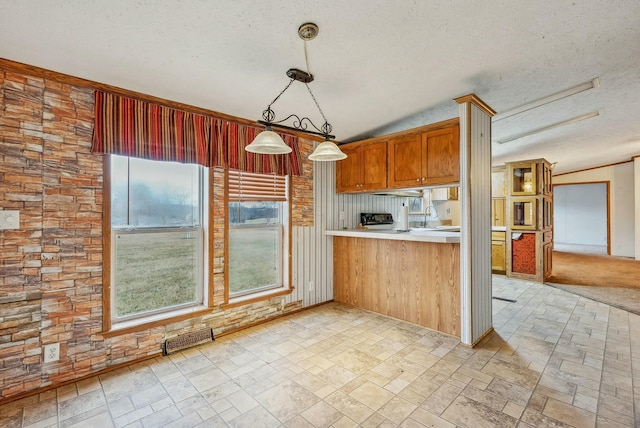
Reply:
x=187, y=340
x=504, y=299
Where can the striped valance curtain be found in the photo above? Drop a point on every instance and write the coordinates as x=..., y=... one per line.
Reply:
x=135, y=128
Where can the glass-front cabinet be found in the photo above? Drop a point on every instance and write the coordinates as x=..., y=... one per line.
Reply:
x=523, y=213
x=523, y=177
x=547, y=213
x=529, y=210
x=547, y=170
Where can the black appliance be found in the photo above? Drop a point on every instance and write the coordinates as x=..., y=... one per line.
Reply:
x=376, y=220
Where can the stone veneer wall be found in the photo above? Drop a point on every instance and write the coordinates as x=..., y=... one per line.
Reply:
x=51, y=267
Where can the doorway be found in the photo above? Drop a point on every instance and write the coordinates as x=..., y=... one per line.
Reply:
x=581, y=218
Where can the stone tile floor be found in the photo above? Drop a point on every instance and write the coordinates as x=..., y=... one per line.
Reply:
x=556, y=359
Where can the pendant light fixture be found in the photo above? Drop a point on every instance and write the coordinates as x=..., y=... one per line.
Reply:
x=269, y=142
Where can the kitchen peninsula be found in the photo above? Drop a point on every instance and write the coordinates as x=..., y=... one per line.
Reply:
x=428, y=278
x=413, y=276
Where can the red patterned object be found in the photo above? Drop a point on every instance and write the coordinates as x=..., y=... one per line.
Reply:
x=523, y=259
x=130, y=127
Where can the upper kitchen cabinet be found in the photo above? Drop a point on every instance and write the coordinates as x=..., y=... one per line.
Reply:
x=442, y=149
x=498, y=195
x=498, y=184
x=428, y=158
x=444, y=194
x=364, y=169
x=405, y=161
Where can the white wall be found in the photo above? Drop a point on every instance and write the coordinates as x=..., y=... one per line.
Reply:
x=449, y=210
x=621, y=179
x=580, y=214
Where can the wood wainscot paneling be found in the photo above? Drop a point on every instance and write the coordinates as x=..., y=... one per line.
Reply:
x=417, y=282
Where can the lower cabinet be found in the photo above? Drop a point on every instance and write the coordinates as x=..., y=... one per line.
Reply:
x=547, y=254
x=530, y=255
x=413, y=281
x=498, y=252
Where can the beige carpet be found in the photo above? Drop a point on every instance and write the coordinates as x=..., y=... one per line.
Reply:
x=597, y=270
x=607, y=279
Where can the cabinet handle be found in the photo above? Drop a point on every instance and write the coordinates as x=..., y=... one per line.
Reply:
x=417, y=179
x=424, y=178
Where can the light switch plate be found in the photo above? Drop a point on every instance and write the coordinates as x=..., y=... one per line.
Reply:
x=9, y=219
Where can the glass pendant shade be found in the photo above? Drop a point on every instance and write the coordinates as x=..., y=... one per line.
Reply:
x=268, y=143
x=327, y=151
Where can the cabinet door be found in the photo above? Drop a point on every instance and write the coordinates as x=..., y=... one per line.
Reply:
x=524, y=213
x=498, y=212
x=347, y=275
x=546, y=179
x=547, y=252
x=441, y=149
x=498, y=253
x=439, y=194
x=547, y=213
x=405, y=161
x=498, y=184
x=349, y=171
x=374, y=174
x=523, y=178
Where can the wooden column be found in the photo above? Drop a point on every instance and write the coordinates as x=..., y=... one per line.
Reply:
x=475, y=219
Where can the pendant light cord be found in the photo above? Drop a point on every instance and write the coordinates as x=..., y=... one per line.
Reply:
x=326, y=125
x=306, y=57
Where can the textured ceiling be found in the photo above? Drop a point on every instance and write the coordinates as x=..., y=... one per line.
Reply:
x=380, y=66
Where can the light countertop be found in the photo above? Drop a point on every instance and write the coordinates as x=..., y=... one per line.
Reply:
x=440, y=236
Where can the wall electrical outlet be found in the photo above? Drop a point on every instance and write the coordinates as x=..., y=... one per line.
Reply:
x=51, y=352
x=311, y=289
x=341, y=215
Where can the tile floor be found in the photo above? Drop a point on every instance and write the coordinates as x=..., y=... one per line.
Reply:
x=556, y=359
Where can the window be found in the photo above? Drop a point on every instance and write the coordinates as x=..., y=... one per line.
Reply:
x=258, y=233
x=157, y=238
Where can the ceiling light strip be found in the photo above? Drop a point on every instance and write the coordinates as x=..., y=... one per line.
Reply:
x=552, y=126
x=593, y=83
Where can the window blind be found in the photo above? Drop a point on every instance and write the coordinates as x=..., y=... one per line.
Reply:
x=247, y=186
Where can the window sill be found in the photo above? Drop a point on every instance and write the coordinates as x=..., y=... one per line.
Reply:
x=256, y=297
x=163, y=319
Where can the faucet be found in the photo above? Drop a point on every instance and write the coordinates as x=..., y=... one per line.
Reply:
x=427, y=213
